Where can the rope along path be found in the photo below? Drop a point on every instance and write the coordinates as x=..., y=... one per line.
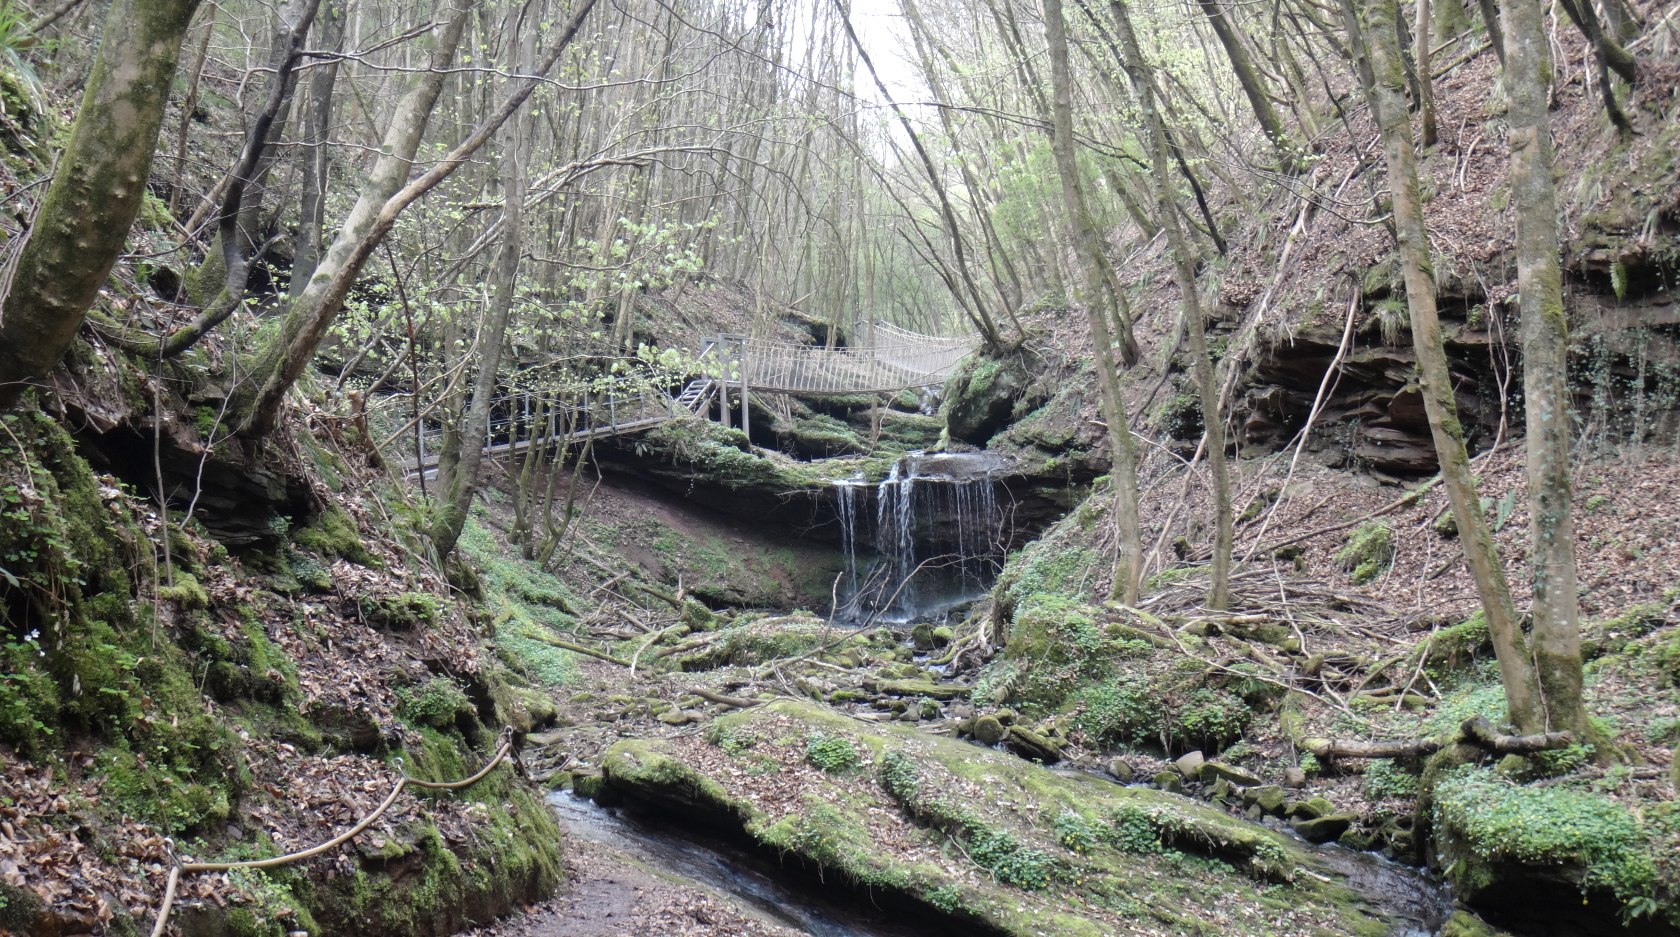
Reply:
x=175, y=871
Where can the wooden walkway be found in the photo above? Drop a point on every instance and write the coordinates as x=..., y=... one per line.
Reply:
x=890, y=360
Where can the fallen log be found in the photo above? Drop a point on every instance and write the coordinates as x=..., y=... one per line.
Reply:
x=1476, y=731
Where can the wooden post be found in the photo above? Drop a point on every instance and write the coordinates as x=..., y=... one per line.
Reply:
x=746, y=420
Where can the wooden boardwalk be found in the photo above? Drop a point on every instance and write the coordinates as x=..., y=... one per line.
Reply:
x=889, y=360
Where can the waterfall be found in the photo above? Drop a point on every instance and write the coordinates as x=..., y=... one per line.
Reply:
x=936, y=538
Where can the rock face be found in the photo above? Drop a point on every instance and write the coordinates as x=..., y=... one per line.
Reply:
x=1040, y=851
x=981, y=397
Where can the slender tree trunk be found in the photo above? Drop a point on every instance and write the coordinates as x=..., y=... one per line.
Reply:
x=188, y=109
x=1254, y=87
x=1128, y=559
x=306, y=248
x=1545, y=352
x=1495, y=30
x=1184, y=267
x=96, y=191
x=1426, y=83
x=1388, y=103
x=463, y=484
x=1609, y=56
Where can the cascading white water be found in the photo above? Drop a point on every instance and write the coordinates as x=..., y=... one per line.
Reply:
x=936, y=536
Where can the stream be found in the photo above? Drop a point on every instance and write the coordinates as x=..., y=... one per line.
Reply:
x=793, y=898
x=784, y=895
x=919, y=546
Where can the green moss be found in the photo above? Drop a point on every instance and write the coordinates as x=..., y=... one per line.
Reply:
x=1491, y=827
x=404, y=611
x=185, y=592
x=437, y=703
x=28, y=698
x=1459, y=645
x=1369, y=552
x=333, y=533
x=1032, y=850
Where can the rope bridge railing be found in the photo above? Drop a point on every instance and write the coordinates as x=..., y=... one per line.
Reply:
x=886, y=359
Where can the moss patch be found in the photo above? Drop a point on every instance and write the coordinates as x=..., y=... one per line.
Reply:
x=987, y=837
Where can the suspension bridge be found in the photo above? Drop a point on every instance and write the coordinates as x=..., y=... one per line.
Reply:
x=885, y=359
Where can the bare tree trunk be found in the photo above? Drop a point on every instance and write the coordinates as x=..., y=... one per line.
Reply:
x=1388, y=103
x=306, y=248
x=463, y=483
x=376, y=212
x=1545, y=352
x=1609, y=56
x=233, y=245
x=1184, y=267
x=96, y=191
x=1254, y=87
x=1426, y=83
x=1128, y=559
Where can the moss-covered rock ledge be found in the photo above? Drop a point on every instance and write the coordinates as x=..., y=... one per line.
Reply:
x=984, y=838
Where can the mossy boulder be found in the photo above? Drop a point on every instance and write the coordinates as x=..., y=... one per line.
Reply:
x=1562, y=852
x=981, y=396
x=1041, y=852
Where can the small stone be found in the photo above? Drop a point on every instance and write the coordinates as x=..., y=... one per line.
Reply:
x=1221, y=789
x=989, y=730
x=1122, y=770
x=1326, y=828
x=1189, y=764
x=1294, y=777
x=676, y=717
x=1210, y=770
x=1169, y=781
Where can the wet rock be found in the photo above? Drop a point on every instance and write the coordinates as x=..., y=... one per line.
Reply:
x=1325, y=828
x=1267, y=797
x=1310, y=809
x=1121, y=769
x=922, y=636
x=1189, y=764
x=1034, y=746
x=1210, y=770
x=1168, y=781
x=990, y=730
x=927, y=688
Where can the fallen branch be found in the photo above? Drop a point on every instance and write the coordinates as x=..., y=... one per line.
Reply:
x=1476, y=731
x=738, y=702
x=581, y=649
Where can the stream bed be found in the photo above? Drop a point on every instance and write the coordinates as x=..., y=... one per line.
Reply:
x=743, y=878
